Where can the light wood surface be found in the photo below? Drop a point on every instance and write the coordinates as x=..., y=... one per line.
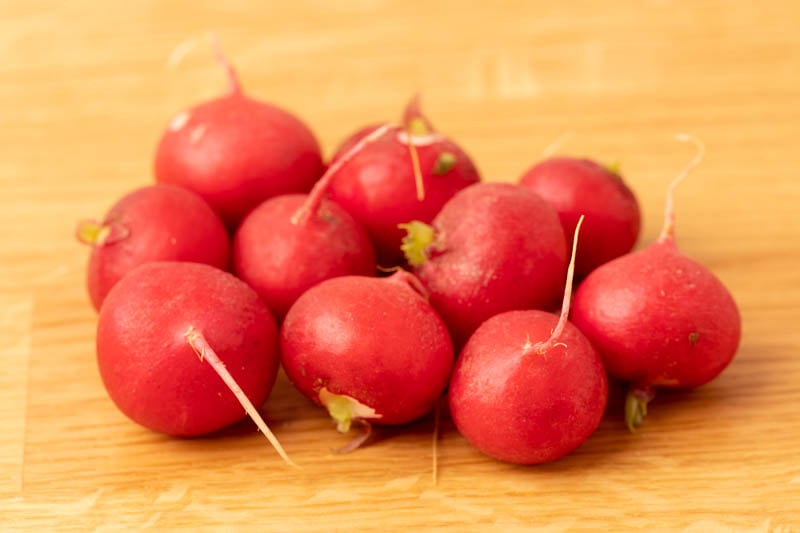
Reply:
x=85, y=89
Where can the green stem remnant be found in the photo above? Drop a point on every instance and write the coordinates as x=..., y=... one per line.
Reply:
x=444, y=163
x=418, y=237
x=614, y=167
x=668, y=231
x=345, y=410
x=636, y=406
x=200, y=346
x=96, y=233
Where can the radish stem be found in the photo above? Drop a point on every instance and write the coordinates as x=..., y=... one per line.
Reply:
x=668, y=231
x=542, y=347
x=201, y=347
x=315, y=196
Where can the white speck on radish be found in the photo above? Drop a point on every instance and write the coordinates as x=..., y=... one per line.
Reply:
x=179, y=121
x=197, y=133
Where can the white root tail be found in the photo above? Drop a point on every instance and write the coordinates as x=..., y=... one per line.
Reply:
x=551, y=148
x=201, y=347
x=542, y=347
x=668, y=231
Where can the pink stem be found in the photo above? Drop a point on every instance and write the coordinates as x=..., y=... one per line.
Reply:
x=233, y=77
x=201, y=347
x=668, y=231
x=542, y=347
x=315, y=196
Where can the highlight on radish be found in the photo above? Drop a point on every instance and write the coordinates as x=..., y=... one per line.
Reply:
x=369, y=350
x=577, y=187
x=492, y=248
x=658, y=318
x=187, y=349
x=153, y=223
x=290, y=243
x=529, y=388
x=405, y=176
x=236, y=151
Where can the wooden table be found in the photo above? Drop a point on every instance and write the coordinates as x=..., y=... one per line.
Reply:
x=85, y=89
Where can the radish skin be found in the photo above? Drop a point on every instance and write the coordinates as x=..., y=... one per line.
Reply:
x=367, y=349
x=153, y=223
x=236, y=151
x=290, y=243
x=658, y=318
x=152, y=328
x=528, y=387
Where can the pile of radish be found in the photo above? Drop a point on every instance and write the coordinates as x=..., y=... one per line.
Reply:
x=387, y=281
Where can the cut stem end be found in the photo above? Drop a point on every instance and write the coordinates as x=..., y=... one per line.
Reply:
x=419, y=236
x=96, y=233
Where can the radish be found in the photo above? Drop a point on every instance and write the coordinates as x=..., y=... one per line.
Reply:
x=182, y=348
x=367, y=349
x=576, y=187
x=493, y=247
x=381, y=189
x=658, y=318
x=236, y=152
x=159, y=222
x=292, y=242
x=528, y=387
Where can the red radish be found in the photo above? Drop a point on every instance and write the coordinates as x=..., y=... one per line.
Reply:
x=493, y=247
x=155, y=223
x=236, y=152
x=528, y=387
x=658, y=318
x=292, y=242
x=367, y=349
x=576, y=187
x=379, y=188
x=183, y=347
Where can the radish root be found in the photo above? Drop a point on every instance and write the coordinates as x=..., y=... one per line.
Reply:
x=551, y=148
x=668, y=231
x=314, y=199
x=356, y=443
x=233, y=77
x=200, y=346
x=542, y=347
x=437, y=417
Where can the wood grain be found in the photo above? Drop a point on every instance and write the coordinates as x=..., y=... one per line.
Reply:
x=85, y=89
